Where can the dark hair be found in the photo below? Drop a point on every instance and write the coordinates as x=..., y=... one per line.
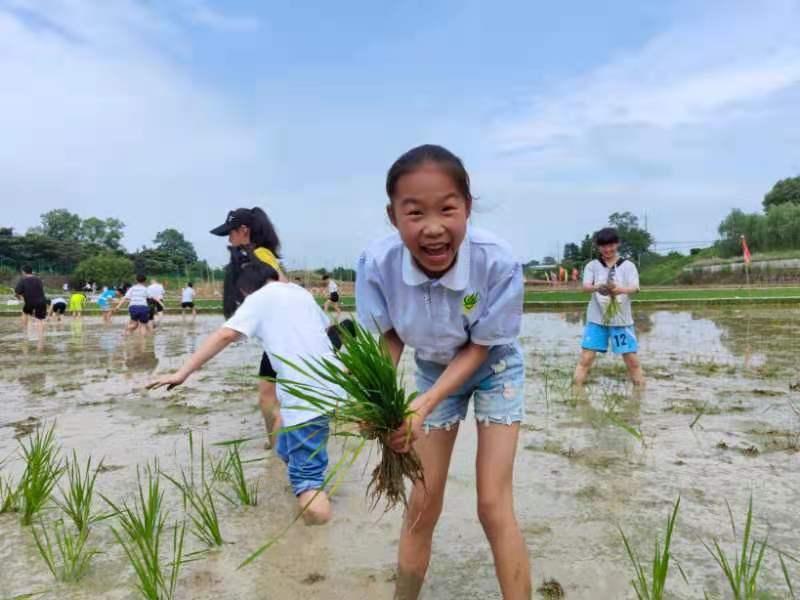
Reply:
x=326, y=276
x=262, y=232
x=27, y=269
x=190, y=284
x=605, y=236
x=140, y=278
x=254, y=276
x=429, y=153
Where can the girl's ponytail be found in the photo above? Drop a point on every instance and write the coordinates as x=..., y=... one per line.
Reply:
x=262, y=232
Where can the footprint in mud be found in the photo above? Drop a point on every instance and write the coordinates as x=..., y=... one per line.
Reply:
x=24, y=427
x=313, y=578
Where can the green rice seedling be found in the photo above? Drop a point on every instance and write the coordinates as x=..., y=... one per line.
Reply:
x=140, y=532
x=76, y=501
x=653, y=587
x=9, y=492
x=374, y=401
x=786, y=577
x=198, y=500
x=64, y=550
x=246, y=493
x=43, y=468
x=742, y=574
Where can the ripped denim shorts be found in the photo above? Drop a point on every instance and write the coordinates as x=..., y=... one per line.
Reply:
x=498, y=387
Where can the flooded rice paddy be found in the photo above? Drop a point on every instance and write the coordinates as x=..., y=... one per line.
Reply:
x=717, y=423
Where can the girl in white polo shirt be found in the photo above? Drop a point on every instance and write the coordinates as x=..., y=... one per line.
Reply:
x=455, y=295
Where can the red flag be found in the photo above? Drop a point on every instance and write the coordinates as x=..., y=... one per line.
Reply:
x=745, y=251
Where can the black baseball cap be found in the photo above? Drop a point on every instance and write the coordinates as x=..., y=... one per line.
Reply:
x=235, y=219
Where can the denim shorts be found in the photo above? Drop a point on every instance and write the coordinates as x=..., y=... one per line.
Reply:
x=498, y=387
x=597, y=337
x=304, y=450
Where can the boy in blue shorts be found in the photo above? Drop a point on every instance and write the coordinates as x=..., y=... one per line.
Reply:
x=289, y=323
x=609, y=278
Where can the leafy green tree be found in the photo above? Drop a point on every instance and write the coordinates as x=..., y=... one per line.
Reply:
x=172, y=241
x=572, y=252
x=635, y=241
x=113, y=234
x=7, y=231
x=105, y=269
x=151, y=261
x=93, y=230
x=548, y=260
x=60, y=224
x=783, y=192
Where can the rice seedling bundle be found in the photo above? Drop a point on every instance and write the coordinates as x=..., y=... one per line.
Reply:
x=374, y=401
x=76, y=501
x=614, y=308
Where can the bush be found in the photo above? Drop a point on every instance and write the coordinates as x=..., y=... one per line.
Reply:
x=105, y=269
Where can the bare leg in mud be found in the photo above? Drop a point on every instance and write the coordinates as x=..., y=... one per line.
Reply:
x=435, y=449
x=582, y=369
x=270, y=410
x=634, y=368
x=497, y=446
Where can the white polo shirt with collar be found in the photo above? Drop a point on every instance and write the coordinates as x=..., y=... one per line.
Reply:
x=478, y=300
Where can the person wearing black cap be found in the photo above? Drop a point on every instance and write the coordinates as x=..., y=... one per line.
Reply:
x=253, y=241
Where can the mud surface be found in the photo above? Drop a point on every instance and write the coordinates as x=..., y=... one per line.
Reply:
x=715, y=423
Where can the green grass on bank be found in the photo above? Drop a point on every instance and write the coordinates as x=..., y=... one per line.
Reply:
x=548, y=297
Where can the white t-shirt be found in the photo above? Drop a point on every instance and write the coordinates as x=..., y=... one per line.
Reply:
x=58, y=300
x=333, y=287
x=625, y=275
x=289, y=323
x=137, y=294
x=155, y=291
x=187, y=295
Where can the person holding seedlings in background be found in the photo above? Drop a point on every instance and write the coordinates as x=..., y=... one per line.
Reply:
x=612, y=280
x=77, y=300
x=139, y=311
x=332, y=301
x=187, y=300
x=290, y=325
x=253, y=243
x=30, y=290
x=454, y=294
x=104, y=303
x=58, y=306
x=155, y=300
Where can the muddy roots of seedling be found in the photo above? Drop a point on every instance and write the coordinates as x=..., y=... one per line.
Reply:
x=388, y=477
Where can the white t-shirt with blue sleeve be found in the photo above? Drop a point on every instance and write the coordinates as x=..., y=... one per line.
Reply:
x=478, y=300
x=289, y=324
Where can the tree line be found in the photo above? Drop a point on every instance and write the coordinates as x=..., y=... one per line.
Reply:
x=91, y=250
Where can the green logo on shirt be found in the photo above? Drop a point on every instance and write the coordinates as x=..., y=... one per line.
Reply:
x=471, y=301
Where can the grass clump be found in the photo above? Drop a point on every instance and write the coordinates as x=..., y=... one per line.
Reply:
x=373, y=400
x=9, y=492
x=141, y=530
x=743, y=570
x=649, y=583
x=64, y=550
x=232, y=471
x=198, y=500
x=76, y=501
x=43, y=469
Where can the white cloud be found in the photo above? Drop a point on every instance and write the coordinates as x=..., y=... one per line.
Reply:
x=95, y=117
x=210, y=17
x=698, y=72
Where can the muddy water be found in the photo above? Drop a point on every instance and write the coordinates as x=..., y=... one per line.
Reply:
x=581, y=470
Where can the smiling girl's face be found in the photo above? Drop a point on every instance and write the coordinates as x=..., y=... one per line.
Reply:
x=431, y=214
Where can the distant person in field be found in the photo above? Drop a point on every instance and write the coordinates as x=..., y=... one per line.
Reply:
x=187, y=300
x=58, y=306
x=289, y=323
x=30, y=290
x=253, y=242
x=611, y=280
x=104, y=303
x=332, y=300
x=155, y=300
x=139, y=311
x=76, y=303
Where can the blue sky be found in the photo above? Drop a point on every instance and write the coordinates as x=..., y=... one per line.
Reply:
x=167, y=114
